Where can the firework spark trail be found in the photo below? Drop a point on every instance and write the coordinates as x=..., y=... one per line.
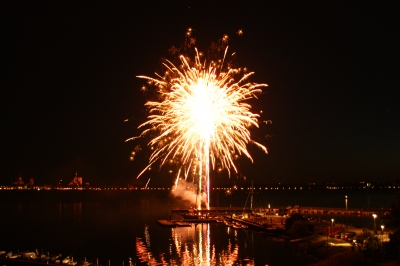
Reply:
x=202, y=117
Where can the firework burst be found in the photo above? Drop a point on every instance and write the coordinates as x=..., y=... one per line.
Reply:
x=201, y=116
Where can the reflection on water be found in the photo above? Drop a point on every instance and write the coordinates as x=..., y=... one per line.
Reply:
x=110, y=226
x=191, y=246
x=78, y=211
x=70, y=211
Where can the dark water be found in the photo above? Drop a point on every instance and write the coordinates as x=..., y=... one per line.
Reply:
x=109, y=225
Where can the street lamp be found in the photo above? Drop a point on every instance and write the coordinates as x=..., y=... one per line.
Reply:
x=382, y=227
x=332, y=225
x=346, y=202
x=374, y=215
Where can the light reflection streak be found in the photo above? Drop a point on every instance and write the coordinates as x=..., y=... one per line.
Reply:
x=190, y=246
x=147, y=235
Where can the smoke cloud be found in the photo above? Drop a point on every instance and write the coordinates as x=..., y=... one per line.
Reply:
x=187, y=191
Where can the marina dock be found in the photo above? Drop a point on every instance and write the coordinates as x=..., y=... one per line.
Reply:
x=184, y=222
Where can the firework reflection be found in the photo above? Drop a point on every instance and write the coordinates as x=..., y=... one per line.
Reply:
x=190, y=246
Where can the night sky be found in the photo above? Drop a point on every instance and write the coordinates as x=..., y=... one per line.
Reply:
x=69, y=81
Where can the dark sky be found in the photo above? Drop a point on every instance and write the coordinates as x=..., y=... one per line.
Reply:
x=69, y=81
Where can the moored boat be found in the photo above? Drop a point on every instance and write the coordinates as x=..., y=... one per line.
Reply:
x=227, y=223
x=183, y=224
x=237, y=226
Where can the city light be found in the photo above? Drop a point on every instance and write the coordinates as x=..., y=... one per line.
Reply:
x=374, y=215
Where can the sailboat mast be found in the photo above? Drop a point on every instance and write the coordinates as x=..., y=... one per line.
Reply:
x=251, y=199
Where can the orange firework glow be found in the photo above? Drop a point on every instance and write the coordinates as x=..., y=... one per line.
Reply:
x=201, y=116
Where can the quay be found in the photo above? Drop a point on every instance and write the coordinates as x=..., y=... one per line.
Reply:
x=333, y=211
x=282, y=210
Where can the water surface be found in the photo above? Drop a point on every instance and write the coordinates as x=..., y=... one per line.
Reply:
x=112, y=225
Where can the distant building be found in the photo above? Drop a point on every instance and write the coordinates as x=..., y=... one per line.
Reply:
x=19, y=181
x=30, y=184
x=76, y=182
x=19, y=184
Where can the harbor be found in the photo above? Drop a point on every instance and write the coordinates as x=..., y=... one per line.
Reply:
x=92, y=224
